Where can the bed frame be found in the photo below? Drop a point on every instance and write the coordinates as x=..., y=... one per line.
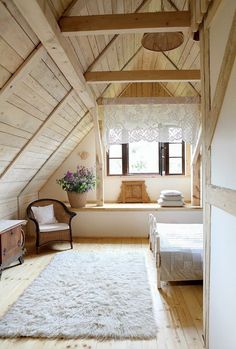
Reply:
x=161, y=256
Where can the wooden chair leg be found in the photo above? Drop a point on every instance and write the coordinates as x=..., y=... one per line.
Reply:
x=21, y=260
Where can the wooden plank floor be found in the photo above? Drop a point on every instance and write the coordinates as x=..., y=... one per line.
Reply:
x=178, y=308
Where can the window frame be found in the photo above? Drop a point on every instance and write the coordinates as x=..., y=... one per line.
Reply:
x=167, y=158
x=163, y=149
x=124, y=161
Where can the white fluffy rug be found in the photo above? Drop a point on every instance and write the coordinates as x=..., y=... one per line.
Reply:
x=87, y=295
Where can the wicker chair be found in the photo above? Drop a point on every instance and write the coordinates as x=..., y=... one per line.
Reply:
x=57, y=232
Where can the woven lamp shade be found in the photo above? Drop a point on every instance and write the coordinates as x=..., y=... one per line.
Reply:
x=162, y=41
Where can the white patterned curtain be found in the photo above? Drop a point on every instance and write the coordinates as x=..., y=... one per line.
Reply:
x=150, y=122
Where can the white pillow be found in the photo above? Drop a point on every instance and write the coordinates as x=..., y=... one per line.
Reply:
x=171, y=192
x=44, y=214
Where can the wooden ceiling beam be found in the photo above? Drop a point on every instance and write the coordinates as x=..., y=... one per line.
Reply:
x=223, y=198
x=177, y=68
x=110, y=44
x=124, y=76
x=125, y=23
x=148, y=100
x=124, y=66
x=24, y=69
x=41, y=19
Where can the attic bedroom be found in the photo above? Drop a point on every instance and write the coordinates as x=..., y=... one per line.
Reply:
x=117, y=185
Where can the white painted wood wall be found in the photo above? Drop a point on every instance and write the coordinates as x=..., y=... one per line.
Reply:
x=223, y=168
x=218, y=43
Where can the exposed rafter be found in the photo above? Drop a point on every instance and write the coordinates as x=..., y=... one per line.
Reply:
x=177, y=68
x=109, y=46
x=22, y=72
x=223, y=198
x=124, y=66
x=113, y=41
x=125, y=23
x=72, y=131
x=40, y=17
x=149, y=100
x=142, y=76
x=51, y=117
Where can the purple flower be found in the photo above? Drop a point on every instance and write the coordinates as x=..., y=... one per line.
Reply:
x=69, y=174
x=82, y=180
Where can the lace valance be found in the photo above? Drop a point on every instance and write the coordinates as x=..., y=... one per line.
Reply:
x=151, y=122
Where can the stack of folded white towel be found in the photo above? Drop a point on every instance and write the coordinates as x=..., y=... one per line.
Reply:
x=171, y=198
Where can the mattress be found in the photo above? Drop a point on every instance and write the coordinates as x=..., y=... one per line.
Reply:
x=181, y=251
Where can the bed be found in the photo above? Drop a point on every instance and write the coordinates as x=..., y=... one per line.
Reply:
x=177, y=249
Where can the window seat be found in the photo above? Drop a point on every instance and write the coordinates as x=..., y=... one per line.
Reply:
x=128, y=220
x=134, y=207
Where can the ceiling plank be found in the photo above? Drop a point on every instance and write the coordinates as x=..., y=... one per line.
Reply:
x=24, y=69
x=53, y=154
x=41, y=19
x=125, y=23
x=109, y=46
x=97, y=77
x=177, y=68
x=50, y=118
x=124, y=66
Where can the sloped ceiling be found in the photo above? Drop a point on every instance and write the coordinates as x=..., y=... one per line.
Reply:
x=124, y=52
x=42, y=119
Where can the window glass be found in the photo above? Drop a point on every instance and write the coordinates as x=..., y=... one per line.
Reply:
x=175, y=149
x=175, y=165
x=144, y=157
x=115, y=151
x=115, y=166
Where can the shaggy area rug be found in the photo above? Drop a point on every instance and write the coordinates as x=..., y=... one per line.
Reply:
x=85, y=295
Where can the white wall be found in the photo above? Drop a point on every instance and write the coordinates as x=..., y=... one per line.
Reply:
x=128, y=223
x=154, y=186
x=112, y=184
x=222, y=333
x=119, y=223
x=52, y=189
x=223, y=281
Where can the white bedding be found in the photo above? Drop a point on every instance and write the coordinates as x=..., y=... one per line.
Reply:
x=181, y=251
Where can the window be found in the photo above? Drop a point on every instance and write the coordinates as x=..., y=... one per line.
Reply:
x=173, y=158
x=143, y=157
x=116, y=160
x=146, y=158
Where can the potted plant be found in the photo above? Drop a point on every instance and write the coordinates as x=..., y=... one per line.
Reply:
x=77, y=184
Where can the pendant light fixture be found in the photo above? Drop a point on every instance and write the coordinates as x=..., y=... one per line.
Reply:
x=164, y=41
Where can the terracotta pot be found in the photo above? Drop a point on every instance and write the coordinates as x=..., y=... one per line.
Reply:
x=77, y=200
